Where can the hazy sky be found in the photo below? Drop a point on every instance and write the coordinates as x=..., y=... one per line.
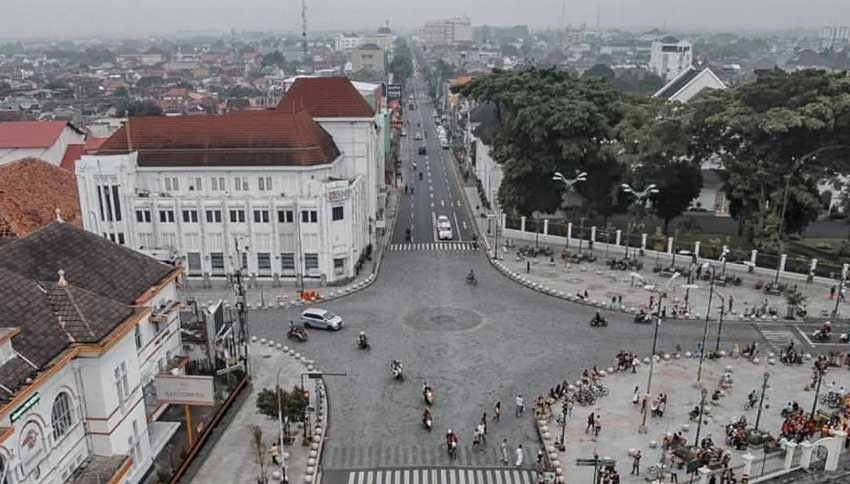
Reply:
x=54, y=18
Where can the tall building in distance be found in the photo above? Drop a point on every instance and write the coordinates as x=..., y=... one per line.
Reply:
x=450, y=32
x=834, y=37
x=671, y=57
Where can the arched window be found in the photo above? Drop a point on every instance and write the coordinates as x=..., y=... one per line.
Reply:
x=61, y=415
x=5, y=472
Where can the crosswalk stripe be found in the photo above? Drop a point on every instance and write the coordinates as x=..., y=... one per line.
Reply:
x=452, y=475
x=434, y=246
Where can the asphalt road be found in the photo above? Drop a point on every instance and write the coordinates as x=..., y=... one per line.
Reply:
x=439, y=191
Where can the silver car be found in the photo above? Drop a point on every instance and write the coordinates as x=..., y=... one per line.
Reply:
x=321, y=318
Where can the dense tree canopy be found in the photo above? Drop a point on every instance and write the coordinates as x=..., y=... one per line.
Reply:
x=401, y=66
x=138, y=108
x=792, y=127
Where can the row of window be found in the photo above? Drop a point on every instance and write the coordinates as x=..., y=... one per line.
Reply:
x=238, y=216
x=217, y=183
x=264, y=262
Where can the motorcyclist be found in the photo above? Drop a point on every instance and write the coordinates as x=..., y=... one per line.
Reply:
x=752, y=398
x=470, y=276
x=427, y=392
x=598, y=317
x=827, y=329
x=407, y=233
x=362, y=341
x=426, y=418
x=451, y=440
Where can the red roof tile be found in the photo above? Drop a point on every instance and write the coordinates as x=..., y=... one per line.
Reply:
x=72, y=154
x=325, y=97
x=93, y=143
x=30, y=192
x=258, y=138
x=30, y=134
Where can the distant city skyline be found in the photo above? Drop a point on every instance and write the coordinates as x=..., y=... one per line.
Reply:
x=133, y=18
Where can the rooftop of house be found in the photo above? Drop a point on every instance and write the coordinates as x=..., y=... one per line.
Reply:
x=31, y=134
x=30, y=192
x=259, y=138
x=325, y=97
x=677, y=83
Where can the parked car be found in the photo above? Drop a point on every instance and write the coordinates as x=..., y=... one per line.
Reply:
x=444, y=228
x=321, y=318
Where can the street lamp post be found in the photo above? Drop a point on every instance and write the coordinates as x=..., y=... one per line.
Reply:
x=282, y=454
x=819, y=372
x=640, y=198
x=719, y=324
x=564, y=411
x=766, y=376
x=706, y=266
x=569, y=185
x=703, y=395
x=794, y=168
x=840, y=291
x=661, y=294
x=687, y=288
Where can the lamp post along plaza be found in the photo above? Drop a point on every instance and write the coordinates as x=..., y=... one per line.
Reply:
x=706, y=266
x=640, y=199
x=719, y=324
x=703, y=395
x=661, y=295
x=569, y=185
x=766, y=376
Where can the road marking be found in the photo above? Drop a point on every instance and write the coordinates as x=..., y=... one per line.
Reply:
x=778, y=338
x=434, y=225
x=454, y=214
x=459, y=204
x=442, y=203
x=432, y=195
x=432, y=204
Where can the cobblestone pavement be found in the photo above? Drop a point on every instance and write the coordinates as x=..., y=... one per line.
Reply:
x=677, y=378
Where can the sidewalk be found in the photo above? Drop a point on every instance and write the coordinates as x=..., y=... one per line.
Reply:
x=265, y=293
x=619, y=436
x=234, y=459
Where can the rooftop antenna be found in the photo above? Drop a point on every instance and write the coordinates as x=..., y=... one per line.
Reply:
x=233, y=44
x=304, y=30
x=563, y=25
x=598, y=17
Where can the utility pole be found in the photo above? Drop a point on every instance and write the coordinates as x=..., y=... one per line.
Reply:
x=304, y=52
x=241, y=305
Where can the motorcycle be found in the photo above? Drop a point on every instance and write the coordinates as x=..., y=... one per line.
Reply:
x=453, y=449
x=472, y=281
x=845, y=338
x=643, y=318
x=820, y=335
x=420, y=175
x=397, y=372
x=427, y=421
x=407, y=235
x=363, y=344
x=298, y=334
x=598, y=322
x=428, y=395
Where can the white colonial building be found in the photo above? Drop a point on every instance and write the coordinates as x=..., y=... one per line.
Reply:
x=269, y=191
x=85, y=327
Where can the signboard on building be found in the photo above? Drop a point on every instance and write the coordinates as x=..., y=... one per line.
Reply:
x=32, y=449
x=393, y=92
x=339, y=194
x=185, y=389
x=24, y=407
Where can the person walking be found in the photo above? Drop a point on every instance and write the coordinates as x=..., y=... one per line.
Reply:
x=636, y=463
x=731, y=299
x=831, y=293
x=484, y=422
x=482, y=431
x=275, y=453
x=635, y=363
x=518, y=456
x=476, y=439
x=636, y=395
x=520, y=405
x=497, y=411
x=504, y=448
x=597, y=425
x=527, y=266
x=591, y=423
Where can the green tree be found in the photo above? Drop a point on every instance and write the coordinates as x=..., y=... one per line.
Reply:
x=401, y=66
x=795, y=124
x=292, y=405
x=275, y=59
x=145, y=107
x=548, y=121
x=602, y=71
x=367, y=75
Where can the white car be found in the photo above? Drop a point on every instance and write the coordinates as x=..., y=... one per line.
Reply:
x=444, y=228
x=418, y=136
x=321, y=318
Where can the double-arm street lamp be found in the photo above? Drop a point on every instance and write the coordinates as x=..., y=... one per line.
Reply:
x=765, y=377
x=703, y=394
x=569, y=186
x=640, y=199
x=706, y=267
x=662, y=293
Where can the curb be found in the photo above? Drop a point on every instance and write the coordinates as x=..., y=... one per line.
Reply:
x=321, y=419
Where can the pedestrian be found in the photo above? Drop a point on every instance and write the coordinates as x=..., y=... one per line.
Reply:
x=539, y=456
x=518, y=454
x=591, y=422
x=731, y=299
x=712, y=479
x=476, y=436
x=636, y=395
x=636, y=463
x=664, y=312
x=504, y=449
x=527, y=266
x=597, y=426
x=484, y=421
x=520, y=406
x=497, y=411
x=613, y=302
x=635, y=363
x=651, y=300
x=586, y=295
x=275, y=453
x=620, y=301
x=482, y=433
x=831, y=293
x=571, y=403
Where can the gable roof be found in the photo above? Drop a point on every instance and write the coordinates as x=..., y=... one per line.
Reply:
x=325, y=97
x=30, y=192
x=72, y=153
x=258, y=138
x=683, y=80
x=32, y=134
x=90, y=262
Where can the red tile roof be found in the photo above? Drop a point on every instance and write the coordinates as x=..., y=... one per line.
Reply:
x=258, y=138
x=325, y=97
x=30, y=134
x=72, y=154
x=93, y=143
x=30, y=192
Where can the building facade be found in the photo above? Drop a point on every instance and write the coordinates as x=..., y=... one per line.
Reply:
x=270, y=192
x=368, y=57
x=45, y=140
x=450, y=32
x=670, y=57
x=86, y=327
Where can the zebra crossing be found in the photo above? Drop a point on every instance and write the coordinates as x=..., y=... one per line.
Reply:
x=424, y=455
x=431, y=476
x=435, y=246
x=778, y=338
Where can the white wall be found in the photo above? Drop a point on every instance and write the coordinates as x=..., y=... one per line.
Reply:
x=703, y=81
x=488, y=171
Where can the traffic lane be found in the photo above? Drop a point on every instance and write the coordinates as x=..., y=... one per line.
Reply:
x=462, y=349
